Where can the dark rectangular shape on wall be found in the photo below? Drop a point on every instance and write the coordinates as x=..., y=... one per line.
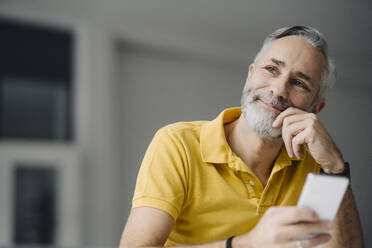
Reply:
x=36, y=77
x=35, y=204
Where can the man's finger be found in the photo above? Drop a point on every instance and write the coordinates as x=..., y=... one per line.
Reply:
x=299, y=134
x=312, y=242
x=289, y=120
x=288, y=112
x=287, y=139
x=297, y=230
x=291, y=215
x=289, y=132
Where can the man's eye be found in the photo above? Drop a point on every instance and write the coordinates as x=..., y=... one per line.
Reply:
x=271, y=69
x=299, y=84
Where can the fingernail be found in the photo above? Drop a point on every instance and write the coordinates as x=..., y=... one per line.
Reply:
x=274, y=123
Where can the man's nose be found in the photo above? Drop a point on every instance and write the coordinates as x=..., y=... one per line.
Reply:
x=279, y=88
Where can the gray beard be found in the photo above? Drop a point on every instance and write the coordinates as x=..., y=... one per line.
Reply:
x=258, y=118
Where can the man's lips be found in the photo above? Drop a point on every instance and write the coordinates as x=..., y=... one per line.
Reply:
x=276, y=108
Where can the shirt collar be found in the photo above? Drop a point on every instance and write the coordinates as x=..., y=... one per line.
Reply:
x=284, y=160
x=213, y=143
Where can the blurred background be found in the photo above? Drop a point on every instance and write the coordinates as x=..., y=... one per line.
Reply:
x=84, y=85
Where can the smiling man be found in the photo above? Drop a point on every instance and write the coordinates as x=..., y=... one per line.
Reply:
x=235, y=181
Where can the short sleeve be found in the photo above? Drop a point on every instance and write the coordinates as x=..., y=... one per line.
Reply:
x=162, y=178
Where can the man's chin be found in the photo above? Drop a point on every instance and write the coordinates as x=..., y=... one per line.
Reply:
x=266, y=131
x=260, y=120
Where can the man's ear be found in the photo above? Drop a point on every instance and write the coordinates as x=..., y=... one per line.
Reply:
x=319, y=106
x=250, y=71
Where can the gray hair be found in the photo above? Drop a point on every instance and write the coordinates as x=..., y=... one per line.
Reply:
x=316, y=39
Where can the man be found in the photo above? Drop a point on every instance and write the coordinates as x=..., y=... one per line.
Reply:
x=235, y=181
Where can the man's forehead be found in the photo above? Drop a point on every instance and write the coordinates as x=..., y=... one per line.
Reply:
x=296, y=53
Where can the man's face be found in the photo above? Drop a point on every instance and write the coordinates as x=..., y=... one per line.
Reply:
x=287, y=74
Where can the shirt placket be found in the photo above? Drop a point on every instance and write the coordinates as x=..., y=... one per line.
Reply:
x=271, y=191
x=250, y=180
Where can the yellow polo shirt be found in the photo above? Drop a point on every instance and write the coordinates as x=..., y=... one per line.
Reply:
x=190, y=172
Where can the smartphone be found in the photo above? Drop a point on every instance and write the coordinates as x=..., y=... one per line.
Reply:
x=323, y=194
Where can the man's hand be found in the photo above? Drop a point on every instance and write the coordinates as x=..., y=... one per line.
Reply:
x=300, y=127
x=279, y=227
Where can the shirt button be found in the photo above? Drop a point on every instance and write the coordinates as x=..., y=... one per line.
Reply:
x=251, y=182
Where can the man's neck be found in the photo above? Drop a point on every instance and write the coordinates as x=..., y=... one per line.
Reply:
x=257, y=153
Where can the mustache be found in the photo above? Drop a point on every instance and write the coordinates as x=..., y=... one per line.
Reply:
x=269, y=98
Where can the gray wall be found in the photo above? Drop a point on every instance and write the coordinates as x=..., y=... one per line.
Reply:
x=161, y=86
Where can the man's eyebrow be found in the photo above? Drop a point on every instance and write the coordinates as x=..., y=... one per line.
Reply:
x=299, y=74
x=278, y=62
x=303, y=76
